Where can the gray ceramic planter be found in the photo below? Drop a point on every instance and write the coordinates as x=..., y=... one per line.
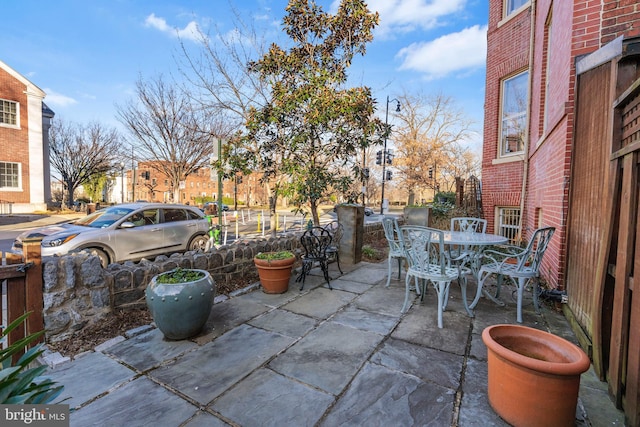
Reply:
x=180, y=310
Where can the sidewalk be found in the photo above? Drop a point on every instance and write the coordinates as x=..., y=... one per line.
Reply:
x=24, y=221
x=311, y=357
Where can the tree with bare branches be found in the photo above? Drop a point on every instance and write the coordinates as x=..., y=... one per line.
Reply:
x=170, y=130
x=428, y=143
x=80, y=153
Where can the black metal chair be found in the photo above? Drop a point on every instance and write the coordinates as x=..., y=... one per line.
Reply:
x=315, y=242
x=336, y=230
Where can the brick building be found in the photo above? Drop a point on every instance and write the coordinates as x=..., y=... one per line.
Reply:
x=149, y=184
x=24, y=144
x=532, y=49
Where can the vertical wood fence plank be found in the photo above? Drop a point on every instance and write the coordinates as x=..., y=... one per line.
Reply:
x=34, y=287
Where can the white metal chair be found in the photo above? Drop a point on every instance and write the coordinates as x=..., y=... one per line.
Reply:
x=466, y=255
x=393, y=234
x=517, y=263
x=425, y=253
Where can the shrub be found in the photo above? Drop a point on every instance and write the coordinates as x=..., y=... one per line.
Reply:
x=20, y=384
x=180, y=275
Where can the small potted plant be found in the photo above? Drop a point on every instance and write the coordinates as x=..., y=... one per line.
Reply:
x=274, y=269
x=180, y=301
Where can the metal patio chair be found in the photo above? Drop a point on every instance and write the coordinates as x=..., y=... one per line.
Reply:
x=336, y=230
x=521, y=265
x=463, y=256
x=426, y=256
x=393, y=234
x=315, y=241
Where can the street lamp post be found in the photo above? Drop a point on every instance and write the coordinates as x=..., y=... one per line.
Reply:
x=122, y=183
x=385, y=154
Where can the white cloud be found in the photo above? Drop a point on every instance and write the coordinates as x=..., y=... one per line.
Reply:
x=189, y=32
x=55, y=99
x=462, y=51
x=402, y=16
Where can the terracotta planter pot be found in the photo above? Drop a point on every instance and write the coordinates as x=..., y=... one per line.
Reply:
x=274, y=274
x=534, y=376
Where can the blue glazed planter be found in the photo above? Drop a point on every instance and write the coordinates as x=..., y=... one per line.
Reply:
x=180, y=310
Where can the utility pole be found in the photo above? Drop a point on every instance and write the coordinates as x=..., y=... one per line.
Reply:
x=386, y=156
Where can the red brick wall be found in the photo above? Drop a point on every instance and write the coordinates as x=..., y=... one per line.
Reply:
x=578, y=28
x=507, y=54
x=619, y=18
x=14, y=145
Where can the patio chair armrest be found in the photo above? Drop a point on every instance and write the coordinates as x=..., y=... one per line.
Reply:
x=500, y=258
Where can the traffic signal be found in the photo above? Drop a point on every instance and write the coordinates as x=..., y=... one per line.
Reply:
x=389, y=175
x=239, y=179
x=388, y=157
x=365, y=173
x=379, y=158
x=430, y=173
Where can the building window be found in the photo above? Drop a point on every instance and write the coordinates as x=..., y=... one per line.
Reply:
x=8, y=112
x=9, y=175
x=514, y=114
x=509, y=224
x=512, y=6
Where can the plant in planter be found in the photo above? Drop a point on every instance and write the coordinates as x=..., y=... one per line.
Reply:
x=180, y=301
x=274, y=269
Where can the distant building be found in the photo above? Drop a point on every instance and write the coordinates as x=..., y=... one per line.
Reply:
x=25, y=183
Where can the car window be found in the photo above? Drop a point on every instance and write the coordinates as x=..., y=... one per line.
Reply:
x=104, y=217
x=171, y=215
x=194, y=214
x=146, y=217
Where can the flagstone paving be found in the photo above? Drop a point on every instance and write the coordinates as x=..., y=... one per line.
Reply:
x=316, y=357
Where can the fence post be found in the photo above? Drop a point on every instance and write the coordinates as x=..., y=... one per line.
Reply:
x=33, y=285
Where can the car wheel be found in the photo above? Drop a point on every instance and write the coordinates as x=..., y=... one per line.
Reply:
x=104, y=257
x=198, y=243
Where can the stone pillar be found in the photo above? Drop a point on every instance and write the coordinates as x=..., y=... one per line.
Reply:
x=352, y=219
x=419, y=215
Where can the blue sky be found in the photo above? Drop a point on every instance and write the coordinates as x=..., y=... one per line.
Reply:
x=87, y=55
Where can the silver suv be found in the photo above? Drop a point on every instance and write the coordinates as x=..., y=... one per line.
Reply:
x=125, y=232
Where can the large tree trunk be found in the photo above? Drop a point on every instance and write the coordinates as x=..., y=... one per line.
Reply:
x=71, y=188
x=313, y=204
x=272, y=214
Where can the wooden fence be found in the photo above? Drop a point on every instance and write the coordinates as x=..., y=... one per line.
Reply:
x=22, y=284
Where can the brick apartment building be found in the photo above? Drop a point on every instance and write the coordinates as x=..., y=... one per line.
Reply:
x=24, y=144
x=561, y=107
x=149, y=184
x=532, y=48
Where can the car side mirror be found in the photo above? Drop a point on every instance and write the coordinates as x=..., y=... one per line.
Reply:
x=127, y=224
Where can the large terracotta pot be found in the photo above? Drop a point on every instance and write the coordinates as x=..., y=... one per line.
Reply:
x=534, y=376
x=180, y=310
x=274, y=274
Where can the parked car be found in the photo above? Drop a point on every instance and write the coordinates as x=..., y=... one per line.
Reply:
x=367, y=210
x=213, y=206
x=125, y=232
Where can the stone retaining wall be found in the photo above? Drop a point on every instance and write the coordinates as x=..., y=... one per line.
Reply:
x=79, y=292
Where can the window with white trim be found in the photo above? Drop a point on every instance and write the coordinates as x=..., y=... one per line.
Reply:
x=8, y=112
x=513, y=123
x=510, y=6
x=9, y=175
x=508, y=223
